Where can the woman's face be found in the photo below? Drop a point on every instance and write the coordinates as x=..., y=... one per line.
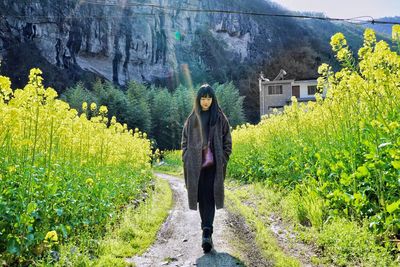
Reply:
x=205, y=102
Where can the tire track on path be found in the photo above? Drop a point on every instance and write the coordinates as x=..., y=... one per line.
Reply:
x=179, y=239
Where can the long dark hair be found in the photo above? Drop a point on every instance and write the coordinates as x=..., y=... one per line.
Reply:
x=207, y=90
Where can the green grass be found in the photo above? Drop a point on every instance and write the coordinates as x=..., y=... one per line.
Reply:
x=345, y=243
x=133, y=235
x=340, y=242
x=171, y=164
x=243, y=201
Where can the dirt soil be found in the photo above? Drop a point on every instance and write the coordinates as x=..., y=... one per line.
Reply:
x=179, y=239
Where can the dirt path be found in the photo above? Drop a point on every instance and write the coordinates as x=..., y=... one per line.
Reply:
x=179, y=240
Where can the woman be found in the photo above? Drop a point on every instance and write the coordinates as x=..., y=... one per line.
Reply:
x=206, y=126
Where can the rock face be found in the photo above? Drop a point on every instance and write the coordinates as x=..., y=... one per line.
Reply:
x=123, y=40
x=162, y=42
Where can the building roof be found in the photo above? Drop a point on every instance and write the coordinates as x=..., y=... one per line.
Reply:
x=306, y=81
x=277, y=81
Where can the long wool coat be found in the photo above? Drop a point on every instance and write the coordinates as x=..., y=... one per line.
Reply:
x=192, y=156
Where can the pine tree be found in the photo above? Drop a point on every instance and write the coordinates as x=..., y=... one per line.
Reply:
x=231, y=102
x=138, y=115
x=78, y=94
x=164, y=114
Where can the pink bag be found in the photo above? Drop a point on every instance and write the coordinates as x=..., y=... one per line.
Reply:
x=208, y=157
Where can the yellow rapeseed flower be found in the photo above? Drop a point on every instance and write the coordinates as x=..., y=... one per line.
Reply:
x=113, y=120
x=50, y=93
x=103, y=110
x=5, y=88
x=51, y=236
x=12, y=169
x=35, y=78
x=323, y=69
x=84, y=106
x=93, y=106
x=89, y=182
x=343, y=54
x=369, y=37
x=41, y=127
x=338, y=41
x=105, y=120
x=396, y=33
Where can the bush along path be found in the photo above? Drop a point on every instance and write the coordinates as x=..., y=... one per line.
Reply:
x=64, y=176
x=336, y=159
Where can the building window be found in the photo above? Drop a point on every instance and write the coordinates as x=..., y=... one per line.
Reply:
x=275, y=89
x=312, y=89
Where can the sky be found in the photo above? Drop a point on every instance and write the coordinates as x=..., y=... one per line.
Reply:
x=346, y=8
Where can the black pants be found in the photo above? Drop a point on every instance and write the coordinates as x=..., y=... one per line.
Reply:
x=206, y=197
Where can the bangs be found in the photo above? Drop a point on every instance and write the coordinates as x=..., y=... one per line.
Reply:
x=206, y=91
x=206, y=95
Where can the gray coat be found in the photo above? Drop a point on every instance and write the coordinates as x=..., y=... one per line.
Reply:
x=192, y=157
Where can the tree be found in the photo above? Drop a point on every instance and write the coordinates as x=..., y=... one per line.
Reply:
x=164, y=116
x=112, y=97
x=184, y=99
x=138, y=113
x=78, y=94
x=231, y=102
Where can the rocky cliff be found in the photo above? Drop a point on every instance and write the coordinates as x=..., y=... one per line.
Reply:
x=123, y=40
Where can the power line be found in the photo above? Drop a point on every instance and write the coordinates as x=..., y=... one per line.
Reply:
x=135, y=4
x=355, y=20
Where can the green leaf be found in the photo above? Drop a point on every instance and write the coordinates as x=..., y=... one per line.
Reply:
x=31, y=207
x=363, y=171
x=345, y=179
x=53, y=188
x=393, y=207
x=396, y=164
x=59, y=212
x=389, y=220
x=392, y=152
x=13, y=246
x=30, y=239
x=63, y=231
x=347, y=197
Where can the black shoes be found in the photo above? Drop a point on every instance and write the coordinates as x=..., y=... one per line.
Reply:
x=207, y=243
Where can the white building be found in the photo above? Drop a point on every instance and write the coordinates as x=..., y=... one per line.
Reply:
x=278, y=93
